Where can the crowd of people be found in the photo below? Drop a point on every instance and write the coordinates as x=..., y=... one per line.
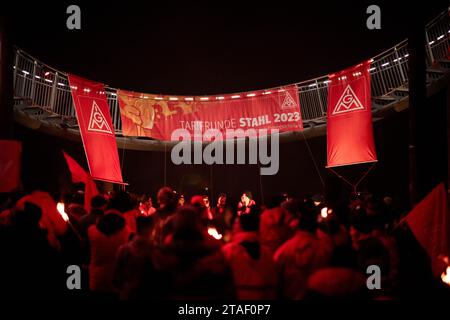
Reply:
x=179, y=248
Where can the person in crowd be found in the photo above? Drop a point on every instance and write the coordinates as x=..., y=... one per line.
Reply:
x=252, y=264
x=375, y=247
x=181, y=200
x=193, y=262
x=133, y=257
x=208, y=210
x=330, y=224
x=146, y=206
x=30, y=267
x=341, y=279
x=51, y=220
x=98, y=206
x=303, y=254
x=202, y=205
x=105, y=238
x=246, y=203
x=223, y=217
x=276, y=223
x=317, y=200
x=74, y=207
x=167, y=201
x=124, y=203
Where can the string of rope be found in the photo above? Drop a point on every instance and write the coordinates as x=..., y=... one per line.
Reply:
x=261, y=190
x=365, y=174
x=313, y=159
x=354, y=186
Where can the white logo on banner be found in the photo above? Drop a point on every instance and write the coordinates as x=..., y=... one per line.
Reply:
x=288, y=102
x=97, y=121
x=347, y=102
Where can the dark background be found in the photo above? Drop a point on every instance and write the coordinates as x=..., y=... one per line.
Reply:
x=197, y=48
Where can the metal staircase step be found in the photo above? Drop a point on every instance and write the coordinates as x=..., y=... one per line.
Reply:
x=435, y=70
x=384, y=100
x=400, y=92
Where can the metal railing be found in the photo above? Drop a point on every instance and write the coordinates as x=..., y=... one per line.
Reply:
x=49, y=88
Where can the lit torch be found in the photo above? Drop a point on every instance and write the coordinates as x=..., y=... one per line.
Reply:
x=60, y=208
x=325, y=212
x=445, y=276
x=213, y=233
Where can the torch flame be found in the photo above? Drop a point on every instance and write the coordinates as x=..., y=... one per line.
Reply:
x=60, y=208
x=213, y=233
x=445, y=276
x=325, y=212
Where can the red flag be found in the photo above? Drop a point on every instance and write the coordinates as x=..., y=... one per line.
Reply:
x=79, y=175
x=96, y=129
x=349, y=117
x=10, y=157
x=430, y=223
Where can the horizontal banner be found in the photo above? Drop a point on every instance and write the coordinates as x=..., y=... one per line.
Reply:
x=159, y=116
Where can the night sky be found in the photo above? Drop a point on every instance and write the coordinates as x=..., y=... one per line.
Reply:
x=205, y=48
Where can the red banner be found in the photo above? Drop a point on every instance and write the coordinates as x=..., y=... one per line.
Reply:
x=97, y=131
x=10, y=160
x=349, y=117
x=79, y=175
x=429, y=221
x=158, y=116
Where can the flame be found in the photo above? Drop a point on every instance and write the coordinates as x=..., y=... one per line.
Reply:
x=213, y=233
x=324, y=212
x=60, y=208
x=445, y=276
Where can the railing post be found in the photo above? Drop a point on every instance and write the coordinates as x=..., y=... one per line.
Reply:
x=53, y=95
x=430, y=52
x=320, y=99
x=399, y=65
x=33, y=81
x=16, y=62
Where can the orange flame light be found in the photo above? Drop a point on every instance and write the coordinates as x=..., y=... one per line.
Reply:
x=213, y=233
x=325, y=212
x=60, y=208
x=445, y=276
